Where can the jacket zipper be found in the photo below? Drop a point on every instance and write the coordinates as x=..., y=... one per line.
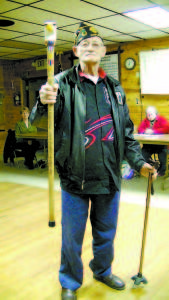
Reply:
x=83, y=181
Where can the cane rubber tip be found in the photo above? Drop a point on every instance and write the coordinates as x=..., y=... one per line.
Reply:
x=51, y=223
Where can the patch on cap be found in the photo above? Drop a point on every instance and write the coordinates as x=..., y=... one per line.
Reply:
x=84, y=32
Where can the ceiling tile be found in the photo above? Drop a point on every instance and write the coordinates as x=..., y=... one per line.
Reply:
x=63, y=47
x=37, y=52
x=34, y=40
x=122, y=38
x=24, y=2
x=73, y=8
x=38, y=17
x=17, y=56
x=64, y=35
x=23, y=26
x=6, y=6
x=152, y=34
x=161, y=2
x=10, y=50
x=119, y=6
x=20, y=45
x=122, y=24
x=5, y=34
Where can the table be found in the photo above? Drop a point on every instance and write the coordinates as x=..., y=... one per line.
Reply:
x=39, y=135
x=155, y=139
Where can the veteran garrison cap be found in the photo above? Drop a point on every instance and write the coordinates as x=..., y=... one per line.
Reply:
x=84, y=32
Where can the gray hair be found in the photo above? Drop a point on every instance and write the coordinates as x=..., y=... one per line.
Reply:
x=151, y=109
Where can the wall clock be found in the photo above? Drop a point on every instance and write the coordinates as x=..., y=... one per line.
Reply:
x=130, y=63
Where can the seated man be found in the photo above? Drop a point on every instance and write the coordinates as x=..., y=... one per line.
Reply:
x=29, y=147
x=154, y=124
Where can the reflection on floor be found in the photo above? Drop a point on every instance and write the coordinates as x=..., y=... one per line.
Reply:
x=133, y=190
x=30, y=250
x=37, y=177
x=19, y=173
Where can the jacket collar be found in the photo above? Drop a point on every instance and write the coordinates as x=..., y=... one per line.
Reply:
x=74, y=76
x=101, y=73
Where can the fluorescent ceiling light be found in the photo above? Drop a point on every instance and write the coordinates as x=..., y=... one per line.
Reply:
x=156, y=17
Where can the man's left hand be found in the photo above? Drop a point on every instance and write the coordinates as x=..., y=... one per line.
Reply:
x=146, y=169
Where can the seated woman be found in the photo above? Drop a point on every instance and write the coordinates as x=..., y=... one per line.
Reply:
x=29, y=147
x=154, y=124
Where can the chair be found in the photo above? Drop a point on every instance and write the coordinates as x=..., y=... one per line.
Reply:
x=166, y=177
x=167, y=163
x=10, y=151
x=154, y=160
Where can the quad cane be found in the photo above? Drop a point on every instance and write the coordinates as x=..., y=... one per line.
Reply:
x=50, y=37
x=139, y=278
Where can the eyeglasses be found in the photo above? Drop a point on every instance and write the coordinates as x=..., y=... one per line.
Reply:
x=94, y=44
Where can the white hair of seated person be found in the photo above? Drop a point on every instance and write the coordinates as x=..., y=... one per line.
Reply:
x=151, y=109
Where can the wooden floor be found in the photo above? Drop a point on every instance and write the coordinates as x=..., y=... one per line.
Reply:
x=30, y=250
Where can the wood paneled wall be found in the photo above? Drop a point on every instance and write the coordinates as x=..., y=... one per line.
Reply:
x=21, y=77
x=130, y=80
x=14, y=75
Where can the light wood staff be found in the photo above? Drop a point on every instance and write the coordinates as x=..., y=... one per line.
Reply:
x=139, y=278
x=50, y=38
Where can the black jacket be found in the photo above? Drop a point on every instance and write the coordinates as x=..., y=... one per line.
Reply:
x=70, y=116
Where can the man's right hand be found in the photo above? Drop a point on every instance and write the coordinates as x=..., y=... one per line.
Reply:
x=48, y=93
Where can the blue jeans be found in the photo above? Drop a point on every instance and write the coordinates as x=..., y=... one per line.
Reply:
x=103, y=217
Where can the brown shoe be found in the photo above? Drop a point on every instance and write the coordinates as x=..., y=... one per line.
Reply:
x=68, y=294
x=112, y=281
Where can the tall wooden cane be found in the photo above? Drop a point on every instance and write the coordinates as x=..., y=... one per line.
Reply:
x=139, y=278
x=50, y=38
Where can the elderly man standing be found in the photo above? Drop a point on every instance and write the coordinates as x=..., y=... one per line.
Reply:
x=154, y=124
x=93, y=133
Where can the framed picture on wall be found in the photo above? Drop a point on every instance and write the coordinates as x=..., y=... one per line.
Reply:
x=1, y=97
x=17, y=99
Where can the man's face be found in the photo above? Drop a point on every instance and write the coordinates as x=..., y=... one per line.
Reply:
x=151, y=115
x=90, y=50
